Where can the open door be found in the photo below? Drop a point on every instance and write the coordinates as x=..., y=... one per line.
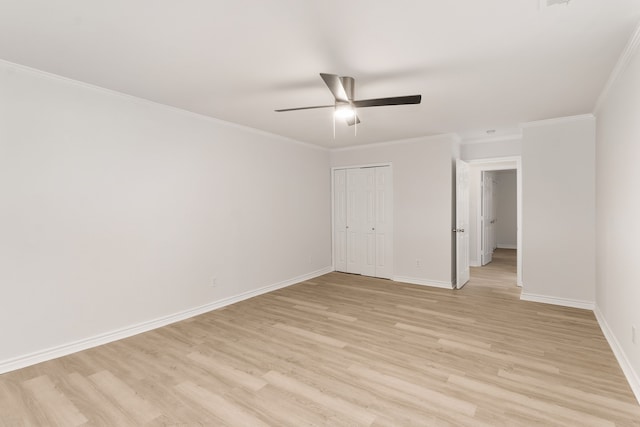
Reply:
x=462, y=223
x=488, y=218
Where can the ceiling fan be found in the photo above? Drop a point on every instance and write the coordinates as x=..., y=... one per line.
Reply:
x=345, y=106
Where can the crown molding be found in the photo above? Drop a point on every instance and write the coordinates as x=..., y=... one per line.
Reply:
x=623, y=62
x=557, y=120
x=501, y=138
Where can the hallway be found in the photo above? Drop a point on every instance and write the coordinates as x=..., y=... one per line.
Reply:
x=499, y=273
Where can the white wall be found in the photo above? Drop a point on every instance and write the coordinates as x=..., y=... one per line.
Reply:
x=558, y=186
x=117, y=211
x=505, y=193
x=491, y=149
x=422, y=194
x=618, y=214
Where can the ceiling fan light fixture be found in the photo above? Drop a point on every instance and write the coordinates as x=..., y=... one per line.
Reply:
x=342, y=89
x=345, y=112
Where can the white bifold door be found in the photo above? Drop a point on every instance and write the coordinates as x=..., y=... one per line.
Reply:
x=363, y=221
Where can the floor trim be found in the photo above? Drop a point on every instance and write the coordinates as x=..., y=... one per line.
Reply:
x=423, y=282
x=84, y=344
x=587, y=305
x=632, y=376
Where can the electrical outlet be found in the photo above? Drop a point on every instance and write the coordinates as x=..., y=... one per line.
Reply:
x=214, y=282
x=633, y=334
x=418, y=263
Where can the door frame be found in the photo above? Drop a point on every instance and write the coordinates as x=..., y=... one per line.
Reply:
x=333, y=230
x=495, y=164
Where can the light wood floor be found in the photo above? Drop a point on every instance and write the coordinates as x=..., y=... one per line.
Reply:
x=344, y=350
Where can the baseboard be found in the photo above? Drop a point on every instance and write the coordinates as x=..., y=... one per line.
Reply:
x=474, y=263
x=423, y=282
x=632, y=376
x=501, y=246
x=565, y=302
x=97, y=340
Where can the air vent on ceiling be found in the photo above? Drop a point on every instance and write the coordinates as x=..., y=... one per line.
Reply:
x=548, y=3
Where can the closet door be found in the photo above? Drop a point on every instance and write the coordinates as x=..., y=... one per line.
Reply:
x=355, y=220
x=384, y=223
x=340, y=220
x=363, y=223
x=369, y=225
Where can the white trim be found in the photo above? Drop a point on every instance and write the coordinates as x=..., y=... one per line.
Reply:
x=621, y=65
x=474, y=263
x=423, y=282
x=86, y=343
x=501, y=246
x=558, y=120
x=368, y=165
x=501, y=138
x=453, y=136
x=148, y=102
x=632, y=376
x=565, y=302
x=495, y=160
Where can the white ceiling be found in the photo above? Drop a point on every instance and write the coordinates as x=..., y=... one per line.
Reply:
x=479, y=65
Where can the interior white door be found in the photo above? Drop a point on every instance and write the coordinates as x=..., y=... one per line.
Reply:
x=462, y=223
x=369, y=226
x=487, y=218
x=355, y=220
x=340, y=219
x=384, y=222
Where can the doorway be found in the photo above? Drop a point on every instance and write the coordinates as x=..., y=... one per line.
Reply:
x=492, y=227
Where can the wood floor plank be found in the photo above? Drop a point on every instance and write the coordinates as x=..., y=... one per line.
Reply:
x=562, y=413
x=93, y=402
x=223, y=409
x=357, y=414
x=236, y=376
x=58, y=408
x=126, y=397
x=323, y=339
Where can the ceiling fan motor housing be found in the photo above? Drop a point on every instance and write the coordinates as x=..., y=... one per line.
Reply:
x=348, y=83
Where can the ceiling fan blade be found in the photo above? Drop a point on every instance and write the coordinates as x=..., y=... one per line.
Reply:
x=334, y=84
x=380, y=102
x=352, y=120
x=304, y=108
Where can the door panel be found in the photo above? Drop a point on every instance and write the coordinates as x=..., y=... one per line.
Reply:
x=462, y=223
x=369, y=226
x=384, y=222
x=488, y=217
x=340, y=219
x=355, y=221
